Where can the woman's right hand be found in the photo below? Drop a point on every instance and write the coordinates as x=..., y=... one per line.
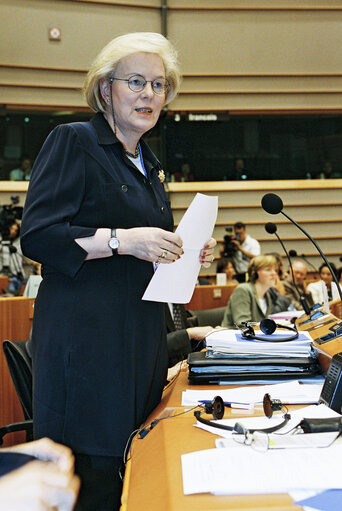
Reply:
x=150, y=244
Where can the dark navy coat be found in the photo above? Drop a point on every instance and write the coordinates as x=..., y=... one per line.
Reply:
x=99, y=351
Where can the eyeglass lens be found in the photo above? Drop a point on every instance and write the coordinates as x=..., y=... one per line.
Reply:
x=138, y=83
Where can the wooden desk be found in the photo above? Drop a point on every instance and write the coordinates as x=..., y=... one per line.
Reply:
x=336, y=308
x=3, y=283
x=209, y=297
x=15, y=324
x=153, y=477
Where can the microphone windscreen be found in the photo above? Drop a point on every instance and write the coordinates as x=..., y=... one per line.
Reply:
x=272, y=203
x=293, y=253
x=271, y=228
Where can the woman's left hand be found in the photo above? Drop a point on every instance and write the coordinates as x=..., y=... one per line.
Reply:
x=207, y=253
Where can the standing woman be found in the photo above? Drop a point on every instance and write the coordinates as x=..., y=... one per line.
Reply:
x=97, y=219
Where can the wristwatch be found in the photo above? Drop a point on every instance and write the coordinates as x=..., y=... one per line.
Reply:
x=114, y=243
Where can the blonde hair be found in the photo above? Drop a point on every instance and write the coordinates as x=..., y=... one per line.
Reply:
x=123, y=46
x=259, y=263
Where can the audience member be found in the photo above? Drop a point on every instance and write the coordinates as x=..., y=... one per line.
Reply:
x=299, y=275
x=184, y=174
x=226, y=265
x=316, y=288
x=182, y=336
x=241, y=172
x=252, y=301
x=281, y=274
x=97, y=218
x=38, y=476
x=11, y=259
x=22, y=173
x=246, y=248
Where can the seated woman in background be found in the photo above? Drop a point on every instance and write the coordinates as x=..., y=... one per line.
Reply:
x=316, y=288
x=252, y=301
x=226, y=265
x=281, y=273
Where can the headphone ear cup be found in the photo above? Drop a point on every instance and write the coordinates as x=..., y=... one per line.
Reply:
x=216, y=407
x=268, y=326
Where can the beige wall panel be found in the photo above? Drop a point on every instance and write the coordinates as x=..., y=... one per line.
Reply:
x=250, y=102
x=258, y=214
x=254, y=83
x=45, y=97
x=242, y=198
x=257, y=4
x=85, y=27
x=285, y=230
x=302, y=246
x=9, y=75
x=257, y=42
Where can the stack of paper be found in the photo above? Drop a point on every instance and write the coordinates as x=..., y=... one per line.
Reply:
x=230, y=358
x=230, y=343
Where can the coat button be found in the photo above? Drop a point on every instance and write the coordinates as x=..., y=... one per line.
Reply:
x=124, y=188
x=162, y=209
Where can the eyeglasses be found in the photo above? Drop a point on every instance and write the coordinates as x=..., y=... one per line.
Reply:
x=258, y=440
x=137, y=83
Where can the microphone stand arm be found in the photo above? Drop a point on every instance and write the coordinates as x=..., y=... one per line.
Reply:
x=301, y=297
x=319, y=250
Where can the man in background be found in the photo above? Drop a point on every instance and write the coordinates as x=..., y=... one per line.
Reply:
x=22, y=173
x=182, y=336
x=246, y=248
x=291, y=291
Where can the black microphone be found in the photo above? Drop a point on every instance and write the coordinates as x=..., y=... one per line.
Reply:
x=271, y=228
x=273, y=204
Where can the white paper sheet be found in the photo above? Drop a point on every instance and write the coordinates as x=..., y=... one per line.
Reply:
x=246, y=471
x=175, y=283
x=290, y=393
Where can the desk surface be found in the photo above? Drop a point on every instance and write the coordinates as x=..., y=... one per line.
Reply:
x=154, y=476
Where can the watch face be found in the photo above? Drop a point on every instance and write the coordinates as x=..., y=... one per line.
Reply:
x=114, y=243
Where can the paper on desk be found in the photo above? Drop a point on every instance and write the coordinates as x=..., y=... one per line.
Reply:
x=246, y=471
x=175, y=283
x=290, y=393
x=275, y=441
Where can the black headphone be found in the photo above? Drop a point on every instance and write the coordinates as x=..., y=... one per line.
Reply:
x=267, y=326
x=216, y=408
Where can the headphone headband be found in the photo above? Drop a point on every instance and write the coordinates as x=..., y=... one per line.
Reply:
x=268, y=326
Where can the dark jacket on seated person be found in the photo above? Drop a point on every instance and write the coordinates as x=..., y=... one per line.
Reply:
x=244, y=306
x=179, y=345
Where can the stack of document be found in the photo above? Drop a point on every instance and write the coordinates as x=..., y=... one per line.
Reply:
x=231, y=344
x=232, y=358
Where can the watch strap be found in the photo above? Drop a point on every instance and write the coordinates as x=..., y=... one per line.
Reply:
x=113, y=235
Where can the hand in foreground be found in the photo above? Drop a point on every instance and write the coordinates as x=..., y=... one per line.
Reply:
x=198, y=333
x=44, y=485
x=46, y=450
x=207, y=253
x=38, y=486
x=150, y=244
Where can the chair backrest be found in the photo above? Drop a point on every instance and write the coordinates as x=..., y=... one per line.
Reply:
x=20, y=367
x=212, y=317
